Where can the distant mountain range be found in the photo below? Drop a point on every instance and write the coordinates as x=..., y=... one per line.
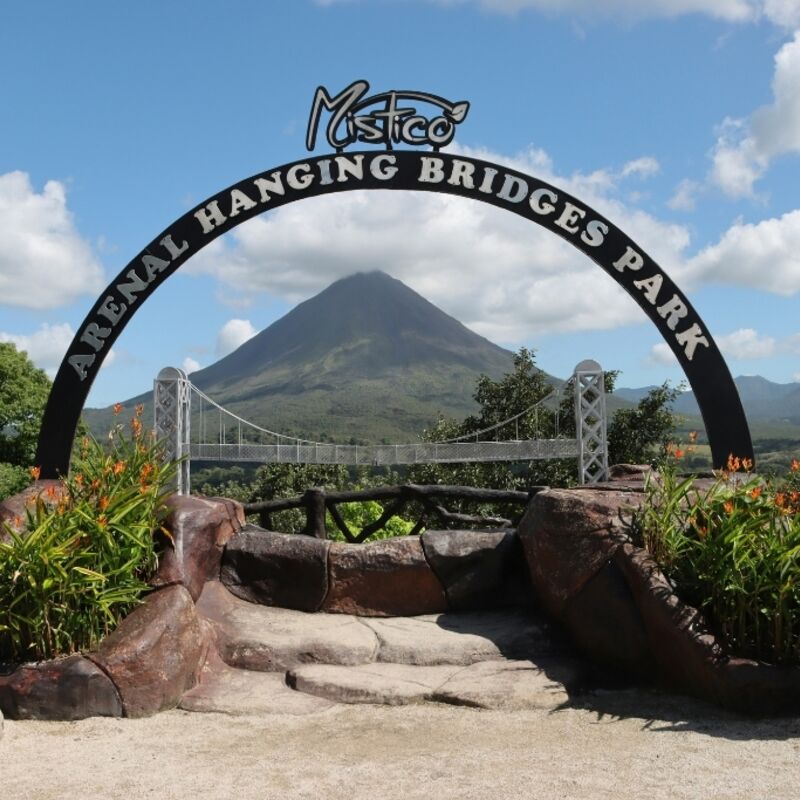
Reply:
x=763, y=400
x=370, y=360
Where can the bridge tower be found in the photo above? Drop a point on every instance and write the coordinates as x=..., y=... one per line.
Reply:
x=171, y=408
x=590, y=422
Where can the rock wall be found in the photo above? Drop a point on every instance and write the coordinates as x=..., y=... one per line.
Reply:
x=621, y=610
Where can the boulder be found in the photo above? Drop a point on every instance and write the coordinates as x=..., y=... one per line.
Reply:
x=12, y=509
x=200, y=527
x=276, y=569
x=388, y=578
x=155, y=653
x=62, y=689
x=605, y=623
x=478, y=569
x=569, y=535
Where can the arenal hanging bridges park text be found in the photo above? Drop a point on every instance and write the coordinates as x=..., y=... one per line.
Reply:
x=465, y=175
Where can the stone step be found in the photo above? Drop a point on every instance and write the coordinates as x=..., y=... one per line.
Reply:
x=258, y=637
x=239, y=692
x=502, y=684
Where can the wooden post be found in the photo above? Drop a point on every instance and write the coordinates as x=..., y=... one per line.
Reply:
x=265, y=520
x=314, y=501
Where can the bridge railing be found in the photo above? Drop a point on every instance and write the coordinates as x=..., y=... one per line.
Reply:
x=428, y=502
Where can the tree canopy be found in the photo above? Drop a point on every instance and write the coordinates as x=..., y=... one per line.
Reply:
x=23, y=393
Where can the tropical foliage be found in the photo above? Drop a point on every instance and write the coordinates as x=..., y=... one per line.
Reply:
x=23, y=394
x=732, y=549
x=80, y=559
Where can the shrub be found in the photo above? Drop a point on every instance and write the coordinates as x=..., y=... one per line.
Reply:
x=358, y=515
x=79, y=566
x=732, y=550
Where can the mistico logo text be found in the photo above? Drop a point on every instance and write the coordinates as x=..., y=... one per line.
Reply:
x=388, y=123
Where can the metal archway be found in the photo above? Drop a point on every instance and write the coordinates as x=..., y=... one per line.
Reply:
x=525, y=195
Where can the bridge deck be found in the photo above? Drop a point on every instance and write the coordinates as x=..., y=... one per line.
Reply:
x=424, y=453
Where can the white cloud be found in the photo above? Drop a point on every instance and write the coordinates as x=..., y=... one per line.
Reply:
x=783, y=12
x=44, y=263
x=190, y=365
x=746, y=344
x=796, y=376
x=764, y=255
x=745, y=148
x=499, y=274
x=47, y=346
x=643, y=167
x=730, y=10
x=661, y=353
x=685, y=196
x=233, y=334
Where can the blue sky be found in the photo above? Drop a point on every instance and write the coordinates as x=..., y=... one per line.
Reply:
x=677, y=119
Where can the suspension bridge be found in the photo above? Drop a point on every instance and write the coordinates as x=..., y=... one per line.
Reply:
x=219, y=434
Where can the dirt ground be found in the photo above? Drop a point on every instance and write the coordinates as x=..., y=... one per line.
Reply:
x=619, y=745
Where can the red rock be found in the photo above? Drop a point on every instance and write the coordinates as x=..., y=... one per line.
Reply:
x=478, y=569
x=568, y=535
x=155, y=653
x=62, y=689
x=200, y=528
x=276, y=569
x=388, y=578
x=604, y=622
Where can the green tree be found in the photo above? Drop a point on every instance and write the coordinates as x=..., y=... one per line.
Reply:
x=23, y=393
x=636, y=435
x=500, y=399
x=640, y=435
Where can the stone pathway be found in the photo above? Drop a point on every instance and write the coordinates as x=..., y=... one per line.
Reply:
x=275, y=660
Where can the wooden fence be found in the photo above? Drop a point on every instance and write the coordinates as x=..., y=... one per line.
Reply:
x=427, y=500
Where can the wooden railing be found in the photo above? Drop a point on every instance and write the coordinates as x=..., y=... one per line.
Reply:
x=428, y=501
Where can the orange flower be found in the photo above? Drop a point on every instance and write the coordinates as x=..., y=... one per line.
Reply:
x=692, y=437
x=139, y=410
x=678, y=453
x=103, y=503
x=747, y=464
x=118, y=408
x=136, y=427
x=102, y=521
x=95, y=484
x=755, y=492
x=79, y=479
x=147, y=471
x=118, y=468
x=795, y=465
x=780, y=499
x=35, y=472
x=794, y=496
x=728, y=506
x=51, y=492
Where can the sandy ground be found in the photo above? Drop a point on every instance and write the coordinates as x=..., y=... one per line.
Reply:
x=619, y=745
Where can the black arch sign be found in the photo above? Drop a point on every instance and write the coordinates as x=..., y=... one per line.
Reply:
x=539, y=202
